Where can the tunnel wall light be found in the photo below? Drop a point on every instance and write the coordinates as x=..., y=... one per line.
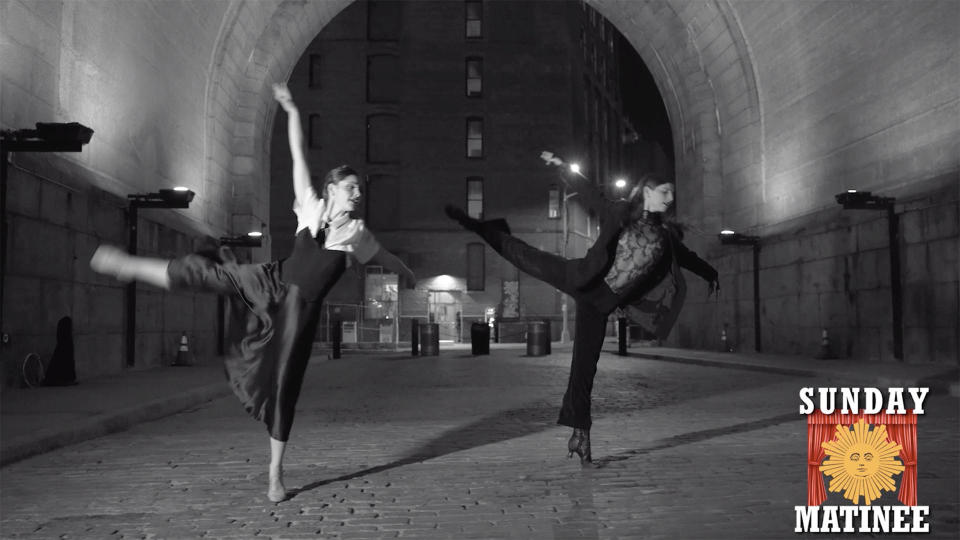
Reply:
x=853, y=199
x=731, y=237
x=251, y=239
x=47, y=137
x=178, y=197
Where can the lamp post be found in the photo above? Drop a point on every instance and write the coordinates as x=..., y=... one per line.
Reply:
x=251, y=240
x=564, y=307
x=47, y=137
x=728, y=237
x=178, y=197
x=853, y=199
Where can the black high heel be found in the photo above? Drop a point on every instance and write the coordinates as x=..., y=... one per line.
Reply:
x=580, y=443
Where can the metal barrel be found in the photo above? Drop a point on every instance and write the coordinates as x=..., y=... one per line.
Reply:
x=479, y=338
x=538, y=338
x=430, y=339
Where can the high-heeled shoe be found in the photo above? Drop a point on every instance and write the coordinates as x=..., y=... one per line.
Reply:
x=580, y=443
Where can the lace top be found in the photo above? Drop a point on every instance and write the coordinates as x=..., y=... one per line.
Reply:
x=640, y=248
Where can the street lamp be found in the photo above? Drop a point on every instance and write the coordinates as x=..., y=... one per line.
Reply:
x=251, y=239
x=47, y=137
x=729, y=237
x=853, y=199
x=178, y=197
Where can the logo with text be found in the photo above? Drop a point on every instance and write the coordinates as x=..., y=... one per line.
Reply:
x=869, y=454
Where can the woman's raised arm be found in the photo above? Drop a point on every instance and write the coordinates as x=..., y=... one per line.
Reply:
x=302, y=188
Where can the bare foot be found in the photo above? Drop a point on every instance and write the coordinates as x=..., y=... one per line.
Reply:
x=111, y=260
x=276, y=492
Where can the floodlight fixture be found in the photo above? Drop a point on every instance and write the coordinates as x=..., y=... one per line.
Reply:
x=620, y=183
x=47, y=137
x=178, y=197
x=853, y=199
x=251, y=239
x=730, y=237
x=575, y=168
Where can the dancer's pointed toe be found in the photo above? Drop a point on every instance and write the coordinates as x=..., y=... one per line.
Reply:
x=579, y=443
x=461, y=217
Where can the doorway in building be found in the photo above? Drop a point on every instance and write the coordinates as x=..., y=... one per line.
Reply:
x=444, y=309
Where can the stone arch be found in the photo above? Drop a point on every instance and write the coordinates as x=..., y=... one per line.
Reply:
x=696, y=52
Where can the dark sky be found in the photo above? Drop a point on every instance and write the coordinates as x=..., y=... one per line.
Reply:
x=641, y=99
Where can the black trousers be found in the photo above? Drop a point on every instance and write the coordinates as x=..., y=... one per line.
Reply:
x=594, y=305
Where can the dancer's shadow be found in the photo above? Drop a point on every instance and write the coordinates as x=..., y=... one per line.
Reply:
x=502, y=426
x=695, y=437
x=582, y=520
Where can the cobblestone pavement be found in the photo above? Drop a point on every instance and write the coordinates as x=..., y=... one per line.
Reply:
x=465, y=447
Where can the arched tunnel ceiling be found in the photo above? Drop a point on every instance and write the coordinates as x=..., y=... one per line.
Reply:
x=695, y=51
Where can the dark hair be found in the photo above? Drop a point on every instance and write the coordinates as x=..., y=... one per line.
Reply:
x=647, y=179
x=335, y=175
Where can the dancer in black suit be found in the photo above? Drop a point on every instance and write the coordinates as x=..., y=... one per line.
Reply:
x=635, y=253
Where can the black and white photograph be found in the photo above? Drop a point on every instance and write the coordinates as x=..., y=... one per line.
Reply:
x=479, y=269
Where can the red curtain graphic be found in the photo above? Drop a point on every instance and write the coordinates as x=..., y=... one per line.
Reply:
x=901, y=429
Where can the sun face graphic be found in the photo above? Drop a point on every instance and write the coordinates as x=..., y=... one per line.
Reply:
x=861, y=461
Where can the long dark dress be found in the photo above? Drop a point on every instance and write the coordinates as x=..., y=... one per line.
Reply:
x=586, y=280
x=274, y=312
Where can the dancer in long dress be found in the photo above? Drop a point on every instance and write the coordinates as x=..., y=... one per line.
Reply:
x=627, y=267
x=275, y=306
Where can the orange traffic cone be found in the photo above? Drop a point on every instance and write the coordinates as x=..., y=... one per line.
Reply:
x=825, y=352
x=184, y=358
x=725, y=345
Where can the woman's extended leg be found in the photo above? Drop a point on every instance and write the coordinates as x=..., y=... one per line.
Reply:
x=196, y=272
x=125, y=267
x=544, y=266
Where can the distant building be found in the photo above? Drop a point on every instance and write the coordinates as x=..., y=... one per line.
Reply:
x=452, y=102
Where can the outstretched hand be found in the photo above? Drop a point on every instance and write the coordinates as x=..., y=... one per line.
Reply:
x=282, y=94
x=410, y=278
x=550, y=159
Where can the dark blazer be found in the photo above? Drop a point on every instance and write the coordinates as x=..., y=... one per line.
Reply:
x=656, y=305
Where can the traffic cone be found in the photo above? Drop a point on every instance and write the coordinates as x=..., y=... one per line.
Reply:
x=825, y=352
x=725, y=345
x=184, y=358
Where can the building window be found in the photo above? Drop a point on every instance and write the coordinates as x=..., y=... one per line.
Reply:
x=314, y=71
x=475, y=197
x=383, y=20
x=474, y=15
x=382, y=138
x=313, y=131
x=382, y=200
x=383, y=78
x=474, y=137
x=380, y=293
x=474, y=77
x=475, y=267
x=553, y=208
